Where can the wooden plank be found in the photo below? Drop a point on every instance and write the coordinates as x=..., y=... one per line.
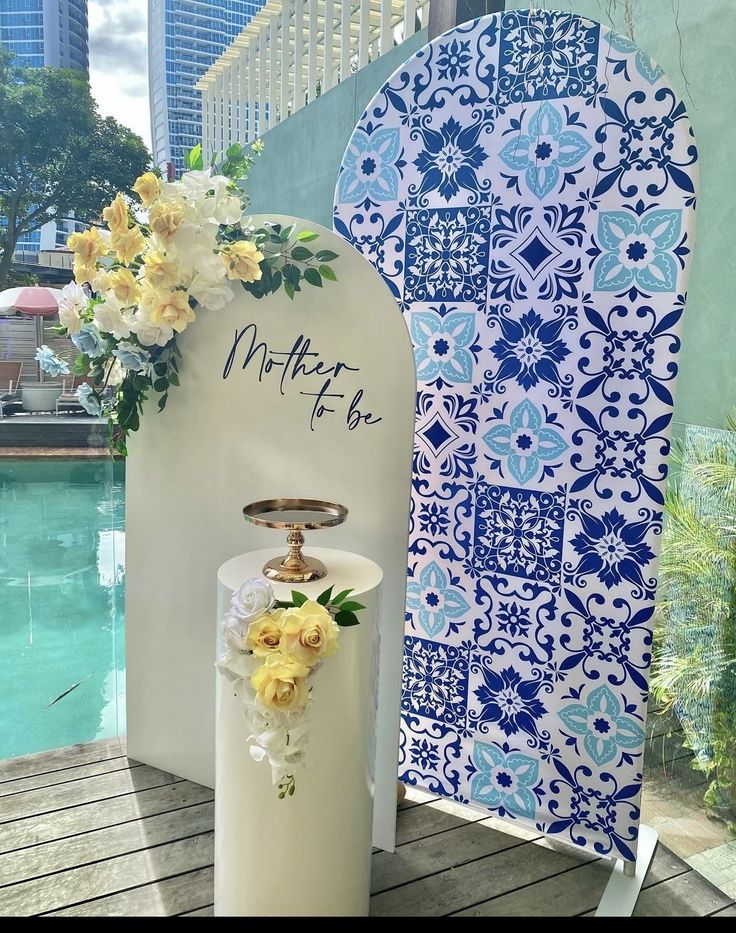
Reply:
x=208, y=911
x=572, y=892
x=687, y=895
x=66, y=775
x=455, y=888
x=189, y=894
x=59, y=758
x=86, y=790
x=446, y=850
x=161, y=798
x=422, y=821
x=69, y=888
x=112, y=841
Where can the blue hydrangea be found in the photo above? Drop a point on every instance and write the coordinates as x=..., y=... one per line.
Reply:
x=88, y=341
x=88, y=399
x=50, y=362
x=132, y=357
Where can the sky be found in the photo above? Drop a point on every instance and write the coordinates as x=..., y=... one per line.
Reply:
x=118, y=62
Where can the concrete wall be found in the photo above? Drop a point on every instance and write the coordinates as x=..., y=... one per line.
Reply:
x=693, y=41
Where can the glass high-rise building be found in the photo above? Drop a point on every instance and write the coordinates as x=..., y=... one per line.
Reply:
x=46, y=32
x=42, y=33
x=184, y=39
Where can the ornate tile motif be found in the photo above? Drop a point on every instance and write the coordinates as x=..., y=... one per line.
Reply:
x=526, y=187
x=519, y=532
x=447, y=255
x=546, y=56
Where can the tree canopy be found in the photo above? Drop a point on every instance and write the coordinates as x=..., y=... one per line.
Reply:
x=58, y=155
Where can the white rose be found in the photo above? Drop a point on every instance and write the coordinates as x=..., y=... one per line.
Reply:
x=148, y=333
x=110, y=319
x=115, y=374
x=237, y=666
x=211, y=295
x=253, y=599
x=72, y=303
x=234, y=631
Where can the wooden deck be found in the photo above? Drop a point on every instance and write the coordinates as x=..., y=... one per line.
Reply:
x=85, y=831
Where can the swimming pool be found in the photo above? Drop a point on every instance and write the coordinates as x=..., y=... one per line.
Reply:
x=62, y=559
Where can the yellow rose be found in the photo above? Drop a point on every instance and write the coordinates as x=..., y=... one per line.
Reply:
x=160, y=271
x=148, y=188
x=310, y=633
x=264, y=634
x=125, y=286
x=116, y=215
x=280, y=683
x=87, y=248
x=170, y=309
x=241, y=260
x=165, y=218
x=128, y=244
x=100, y=282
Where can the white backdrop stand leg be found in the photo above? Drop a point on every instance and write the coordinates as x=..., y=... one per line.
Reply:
x=619, y=898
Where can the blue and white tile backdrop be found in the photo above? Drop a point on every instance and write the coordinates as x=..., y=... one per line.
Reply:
x=526, y=186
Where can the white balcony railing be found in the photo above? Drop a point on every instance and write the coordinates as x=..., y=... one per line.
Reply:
x=291, y=52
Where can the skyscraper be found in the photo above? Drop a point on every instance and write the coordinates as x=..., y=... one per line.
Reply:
x=184, y=39
x=45, y=33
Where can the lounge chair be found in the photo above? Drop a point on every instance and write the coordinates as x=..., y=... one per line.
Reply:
x=10, y=372
x=68, y=400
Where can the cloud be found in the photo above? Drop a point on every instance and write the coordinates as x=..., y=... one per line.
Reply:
x=118, y=60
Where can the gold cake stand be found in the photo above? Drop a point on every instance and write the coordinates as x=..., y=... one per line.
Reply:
x=295, y=516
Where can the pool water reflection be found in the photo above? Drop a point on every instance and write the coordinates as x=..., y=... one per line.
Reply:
x=62, y=559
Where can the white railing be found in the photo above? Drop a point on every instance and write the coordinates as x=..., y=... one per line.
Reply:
x=291, y=52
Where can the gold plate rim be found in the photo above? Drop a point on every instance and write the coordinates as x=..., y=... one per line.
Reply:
x=335, y=514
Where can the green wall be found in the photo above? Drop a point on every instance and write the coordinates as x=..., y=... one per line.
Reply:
x=296, y=174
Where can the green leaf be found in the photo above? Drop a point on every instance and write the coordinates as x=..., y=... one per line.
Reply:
x=340, y=596
x=326, y=255
x=313, y=277
x=324, y=598
x=289, y=289
x=159, y=368
x=327, y=273
x=161, y=385
x=173, y=378
x=195, y=160
x=276, y=280
x=298, y=598
x=301, y=254
x=352, y=606
x=291, y=274
x=306, y=236
x=344, y=619
x=234, y=152
x=286, y=233
x=81, y=365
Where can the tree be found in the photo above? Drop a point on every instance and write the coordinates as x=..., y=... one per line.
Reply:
x=58, y=155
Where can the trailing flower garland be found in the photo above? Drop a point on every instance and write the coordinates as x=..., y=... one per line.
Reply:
x=182, y=246
x=272, y=651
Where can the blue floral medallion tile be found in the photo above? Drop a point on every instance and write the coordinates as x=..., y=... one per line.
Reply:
x=519, y=532
x=447, y=255
x=526, y=186
x=547, y=56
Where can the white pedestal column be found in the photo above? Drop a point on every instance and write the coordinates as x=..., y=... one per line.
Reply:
x=308, y=854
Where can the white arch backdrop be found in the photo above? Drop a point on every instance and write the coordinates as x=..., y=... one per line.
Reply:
x=279, y=424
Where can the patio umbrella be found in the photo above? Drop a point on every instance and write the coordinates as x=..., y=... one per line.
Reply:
x=38, y=301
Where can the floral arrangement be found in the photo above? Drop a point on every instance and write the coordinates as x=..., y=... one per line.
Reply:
x=273, y=649
x=140, y=282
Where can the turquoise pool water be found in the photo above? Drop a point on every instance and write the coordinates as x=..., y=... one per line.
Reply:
x=62, y=558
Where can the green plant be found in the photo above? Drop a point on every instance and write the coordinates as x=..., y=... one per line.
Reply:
x=694, y=664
